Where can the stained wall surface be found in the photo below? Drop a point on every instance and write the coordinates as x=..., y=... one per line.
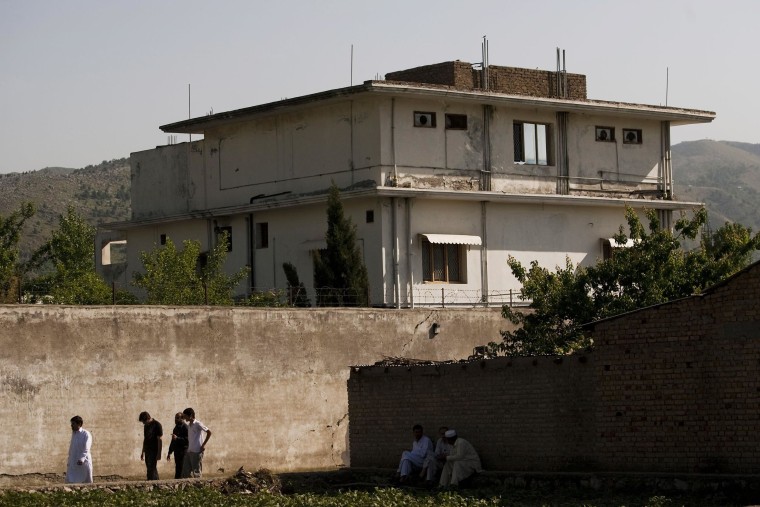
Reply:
x=270, y=383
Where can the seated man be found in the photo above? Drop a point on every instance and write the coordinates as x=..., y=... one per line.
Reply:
x=433, y=463
x=461, y=463
x=412, y=461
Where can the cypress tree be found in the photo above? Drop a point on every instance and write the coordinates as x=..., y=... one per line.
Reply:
x=340, y=275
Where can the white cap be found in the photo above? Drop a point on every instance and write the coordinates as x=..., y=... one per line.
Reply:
x=450, y=433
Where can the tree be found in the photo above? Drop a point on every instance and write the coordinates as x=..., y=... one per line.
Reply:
x=340, y=276
x=655, y=269
x=173, y=277
x=10, y=267
x=296, y=290
x=71, y=253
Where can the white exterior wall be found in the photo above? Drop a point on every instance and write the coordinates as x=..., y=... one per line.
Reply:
x=591, y=160
x=297, y=152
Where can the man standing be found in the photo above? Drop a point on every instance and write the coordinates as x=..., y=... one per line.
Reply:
x=413, y=461
x=151, y=448
x=79, y=465
x=178, y=446
x=461, y=463
x=193, y=466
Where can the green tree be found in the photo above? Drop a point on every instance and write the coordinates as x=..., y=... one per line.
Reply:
x=655, y=269
x=178, y=277
x=11, y=268
x=340, y=276
x=71, y=254
x=296, y=289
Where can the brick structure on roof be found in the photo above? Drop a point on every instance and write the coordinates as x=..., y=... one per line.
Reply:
x=510, y=80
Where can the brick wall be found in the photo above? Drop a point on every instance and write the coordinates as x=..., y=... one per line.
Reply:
x=672, y=388
x=510, y=80
x=520, y=413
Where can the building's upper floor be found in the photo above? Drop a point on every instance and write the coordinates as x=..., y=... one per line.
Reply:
x=432, y=127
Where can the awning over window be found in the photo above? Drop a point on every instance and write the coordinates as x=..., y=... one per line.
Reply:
x=615, y=244
x=452, y=239
x=314, y=244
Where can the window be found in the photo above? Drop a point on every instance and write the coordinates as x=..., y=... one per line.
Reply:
x=442, y=262
x=220, y=232
x=370, y=216
x=163, y=239
x=456, y=122
x=605, y=134
x=632, y=136
x=262, y=235
x=531, y=143
x=424, y=119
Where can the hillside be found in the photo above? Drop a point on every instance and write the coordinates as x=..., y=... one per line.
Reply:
x=724, y=175
x=99, y=193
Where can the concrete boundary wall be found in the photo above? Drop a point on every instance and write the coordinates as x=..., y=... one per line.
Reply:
x=270, y=383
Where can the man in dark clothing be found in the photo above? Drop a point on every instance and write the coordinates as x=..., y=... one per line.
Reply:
x=151, y=448
x=178, y=445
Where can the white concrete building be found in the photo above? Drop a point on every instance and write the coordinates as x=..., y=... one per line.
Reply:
x=444, y=178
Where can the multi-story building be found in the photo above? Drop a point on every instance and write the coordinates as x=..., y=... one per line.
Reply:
x=445, y=169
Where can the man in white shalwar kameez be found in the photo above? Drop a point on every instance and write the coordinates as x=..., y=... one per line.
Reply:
x=461, y=463
x=434, y=461
x=79, y=465
x=412, y=461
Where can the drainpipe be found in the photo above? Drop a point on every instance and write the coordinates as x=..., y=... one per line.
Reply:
x=485, y=173
x=393, y=141
x=394, y=233
x=251, y=251
x=410, y=276
x=484, y=252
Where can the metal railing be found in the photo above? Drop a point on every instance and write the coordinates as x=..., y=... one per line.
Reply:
x=448, y=296
x=303, y=297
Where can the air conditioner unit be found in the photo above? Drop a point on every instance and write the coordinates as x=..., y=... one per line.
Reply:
x=424, y=120
x=605, y=134
x=632, y=136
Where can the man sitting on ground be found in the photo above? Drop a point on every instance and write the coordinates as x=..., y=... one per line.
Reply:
x=412, y=461
x=461, y=463
x=432, y=465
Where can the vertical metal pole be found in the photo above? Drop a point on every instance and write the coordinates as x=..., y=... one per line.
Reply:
x=443, y=300
x=188, y=108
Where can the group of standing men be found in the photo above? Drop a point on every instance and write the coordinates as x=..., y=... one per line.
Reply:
x=189, y=439
x=454, y=456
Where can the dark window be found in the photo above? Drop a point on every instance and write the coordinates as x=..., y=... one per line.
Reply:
x=632, y=136
x=456, y=121
x=163, y=239
x=220, y=233
x=424, y=119
x=262, y=235
x=202, y=262
x=531, y=143
x=605, y=134
x=442, y=262
x=370, y=216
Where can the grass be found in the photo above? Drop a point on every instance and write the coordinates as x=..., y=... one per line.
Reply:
x=379, y=497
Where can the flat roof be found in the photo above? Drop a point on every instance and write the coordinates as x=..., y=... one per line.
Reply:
x=676, y=115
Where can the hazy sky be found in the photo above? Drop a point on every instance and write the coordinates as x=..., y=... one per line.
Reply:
x=83, y=81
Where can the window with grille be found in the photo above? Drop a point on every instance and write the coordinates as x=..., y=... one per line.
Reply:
x=442, y=263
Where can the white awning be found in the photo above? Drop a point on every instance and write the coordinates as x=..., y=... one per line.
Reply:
x=314, y=244
x=452, y=239
x=615, y=244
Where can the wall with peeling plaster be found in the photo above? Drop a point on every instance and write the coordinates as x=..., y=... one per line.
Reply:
x=270, y=383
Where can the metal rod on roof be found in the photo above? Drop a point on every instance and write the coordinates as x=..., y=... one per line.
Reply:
x=188, y=108
x=667, y=83
x=352, y=65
